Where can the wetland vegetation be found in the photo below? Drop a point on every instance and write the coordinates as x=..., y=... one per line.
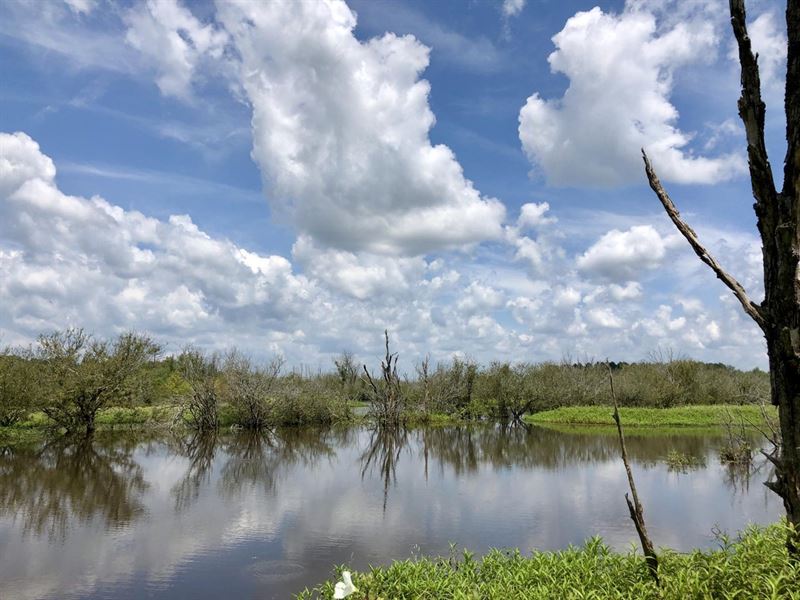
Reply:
x=72, y=382
x=81, y=415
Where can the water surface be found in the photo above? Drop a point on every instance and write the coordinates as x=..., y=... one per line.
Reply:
x=262, y=516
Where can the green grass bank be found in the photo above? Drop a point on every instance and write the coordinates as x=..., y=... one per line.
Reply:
x=683, y=416
x=754, y=566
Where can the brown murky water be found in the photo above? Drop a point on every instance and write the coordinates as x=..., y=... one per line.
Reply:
x=245, y=516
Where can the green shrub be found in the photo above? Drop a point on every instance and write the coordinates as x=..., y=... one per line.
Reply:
x=80, y=374
x=17, y=385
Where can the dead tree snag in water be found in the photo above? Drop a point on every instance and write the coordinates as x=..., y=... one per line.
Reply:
x=634, y=507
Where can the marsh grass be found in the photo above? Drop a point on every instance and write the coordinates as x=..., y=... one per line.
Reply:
x=755, y=565
x=684, y=416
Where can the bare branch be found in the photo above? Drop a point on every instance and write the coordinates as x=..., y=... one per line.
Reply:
x=634, y=508
x=750, y=307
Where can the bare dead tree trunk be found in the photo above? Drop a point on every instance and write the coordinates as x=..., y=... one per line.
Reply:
x=386, y=397
x=778, y=215
x=634, y=507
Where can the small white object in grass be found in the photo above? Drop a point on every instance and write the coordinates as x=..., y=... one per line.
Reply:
x=344, y=588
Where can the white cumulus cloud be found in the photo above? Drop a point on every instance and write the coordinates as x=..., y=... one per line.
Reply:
x=174, y=42
x=620, y=69
x=340, y=132
x=623, y=255
x=84, y=261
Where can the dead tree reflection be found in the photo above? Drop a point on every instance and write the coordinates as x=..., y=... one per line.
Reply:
x=382, y=453
x=200, y=448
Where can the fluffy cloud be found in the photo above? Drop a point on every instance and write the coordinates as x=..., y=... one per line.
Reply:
x=623, y=255
x=340, y=132
x=532, y=215
x=341, y=135
x=360, y=275
x=68, y=259
x=620, y=70
x=769, y=42
x=173, y=41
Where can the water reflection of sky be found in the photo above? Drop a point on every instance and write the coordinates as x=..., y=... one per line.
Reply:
x=245, y=517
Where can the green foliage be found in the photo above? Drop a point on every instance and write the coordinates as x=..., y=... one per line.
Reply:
x=754, y=566
x=80, y=374
x=680, y=462
x=687, y=416
x=446, y=389
x=504, y=390
x=71, y=376
x=299, y=400
x=17, y=385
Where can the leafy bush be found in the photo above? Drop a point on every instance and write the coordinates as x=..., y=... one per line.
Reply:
x=17, y=388
x=81, y=375
x=299, y=401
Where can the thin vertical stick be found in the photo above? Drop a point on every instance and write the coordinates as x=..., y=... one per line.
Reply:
x=635, y=507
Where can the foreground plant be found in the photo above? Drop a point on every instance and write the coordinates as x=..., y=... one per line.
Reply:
x=345, y=587
x=755, y=565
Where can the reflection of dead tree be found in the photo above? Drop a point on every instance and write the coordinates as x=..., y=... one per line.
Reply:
x=738, y=453
x=251, y=460
x=770, y=430
x=200, y=449
x=385, y=446
x=257, y=458
x=634, y=508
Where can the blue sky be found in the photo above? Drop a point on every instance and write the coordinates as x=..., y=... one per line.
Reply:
x=294, y=177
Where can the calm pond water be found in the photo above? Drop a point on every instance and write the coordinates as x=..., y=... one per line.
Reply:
x=237, y=515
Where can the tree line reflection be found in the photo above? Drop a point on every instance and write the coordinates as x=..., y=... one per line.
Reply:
x=47, y=488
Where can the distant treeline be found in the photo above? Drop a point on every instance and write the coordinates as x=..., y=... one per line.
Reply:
x=70, y=375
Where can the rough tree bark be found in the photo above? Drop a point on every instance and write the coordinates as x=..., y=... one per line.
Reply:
x=778, y=215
